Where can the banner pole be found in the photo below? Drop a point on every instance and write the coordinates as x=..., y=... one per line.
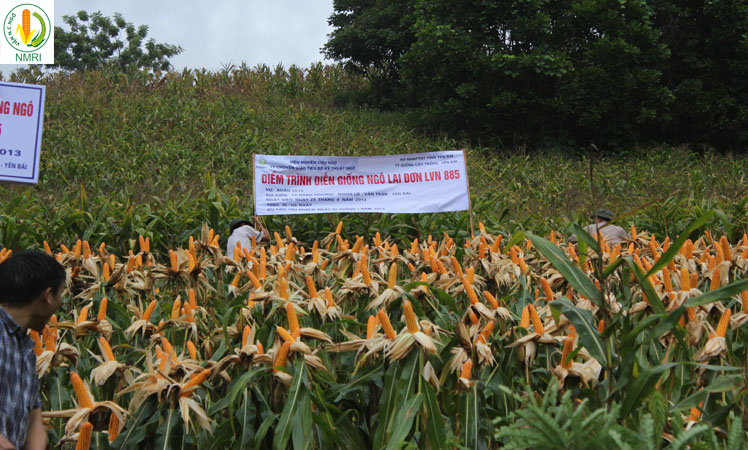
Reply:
x=254, y=189
x=470, y=201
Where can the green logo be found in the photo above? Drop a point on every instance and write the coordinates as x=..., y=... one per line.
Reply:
x=263, y=161
x=27, y=28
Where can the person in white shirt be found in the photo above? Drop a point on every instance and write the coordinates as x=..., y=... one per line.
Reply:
x=242, y=231
x=613, y=234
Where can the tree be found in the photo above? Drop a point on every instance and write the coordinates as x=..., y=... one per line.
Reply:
x=95, y=40
x=370, y=36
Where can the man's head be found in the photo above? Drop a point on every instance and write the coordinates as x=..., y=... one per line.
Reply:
x=236, y=223
x=32, y=281
x=603, y=214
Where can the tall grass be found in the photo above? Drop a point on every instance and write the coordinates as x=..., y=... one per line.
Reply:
x=162, y=152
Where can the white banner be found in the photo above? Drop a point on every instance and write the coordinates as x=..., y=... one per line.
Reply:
x=414, y=183
x=21, y=123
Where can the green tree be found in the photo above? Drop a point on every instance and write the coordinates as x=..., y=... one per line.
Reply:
x=370, y=36
x=95, y=40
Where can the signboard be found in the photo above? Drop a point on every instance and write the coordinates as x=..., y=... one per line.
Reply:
x=414, y=183
x=21, y=121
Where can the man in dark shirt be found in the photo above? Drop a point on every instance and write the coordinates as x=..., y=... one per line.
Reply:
x=31, y=285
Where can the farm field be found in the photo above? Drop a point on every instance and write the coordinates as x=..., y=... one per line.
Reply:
x=373, y=330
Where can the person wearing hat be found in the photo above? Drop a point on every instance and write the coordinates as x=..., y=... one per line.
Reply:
x=601, y=226
x=242, y=231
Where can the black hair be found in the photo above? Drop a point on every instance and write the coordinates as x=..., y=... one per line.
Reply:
x=26, y=274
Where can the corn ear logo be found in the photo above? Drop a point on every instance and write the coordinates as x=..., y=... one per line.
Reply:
x=27, y=27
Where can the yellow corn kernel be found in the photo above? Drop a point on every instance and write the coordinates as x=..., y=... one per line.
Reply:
x=293, y=320
x=491, y=299
x=280, y=358
x=84, y=435
x=284, y=334
x=328, y=297
x=524, y=321
x=384, y=320
x=724, y=321
x=192, y=350
x=194, y=382
x=149, y=311
x=467, y=369
x=245, y=335
x=371, y=324
x=410, y=317
x=83, y=315
x=392, y=278
x=310, y=286
x=106, y=350
x=537, y=324
x=82, y=394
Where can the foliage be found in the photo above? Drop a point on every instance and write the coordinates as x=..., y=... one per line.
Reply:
x=94, y=41
x=370, y=37
x=574, y=72
x=459, y=367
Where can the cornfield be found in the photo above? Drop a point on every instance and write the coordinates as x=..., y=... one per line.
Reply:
x=383, y=344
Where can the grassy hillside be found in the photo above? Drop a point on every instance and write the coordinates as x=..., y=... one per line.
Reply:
x=160, y=154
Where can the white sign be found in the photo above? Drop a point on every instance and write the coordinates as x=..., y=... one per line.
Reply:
x=28, y=32
x=21, y=122
x=415, y=183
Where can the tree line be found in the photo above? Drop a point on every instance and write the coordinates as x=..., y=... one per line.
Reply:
x=549, y=72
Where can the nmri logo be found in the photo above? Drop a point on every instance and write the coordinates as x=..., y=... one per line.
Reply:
x=27, y=28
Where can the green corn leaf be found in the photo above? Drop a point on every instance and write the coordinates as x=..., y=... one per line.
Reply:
x=643, y=386
x=296, y=395
x=434, y=422
x=404, y=423
x=666, y=257
x=582, y=321
x=567, y=268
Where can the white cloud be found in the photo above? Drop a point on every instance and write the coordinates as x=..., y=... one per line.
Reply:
x=221, y=32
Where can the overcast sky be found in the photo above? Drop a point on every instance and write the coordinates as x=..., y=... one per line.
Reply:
x=220, y=32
